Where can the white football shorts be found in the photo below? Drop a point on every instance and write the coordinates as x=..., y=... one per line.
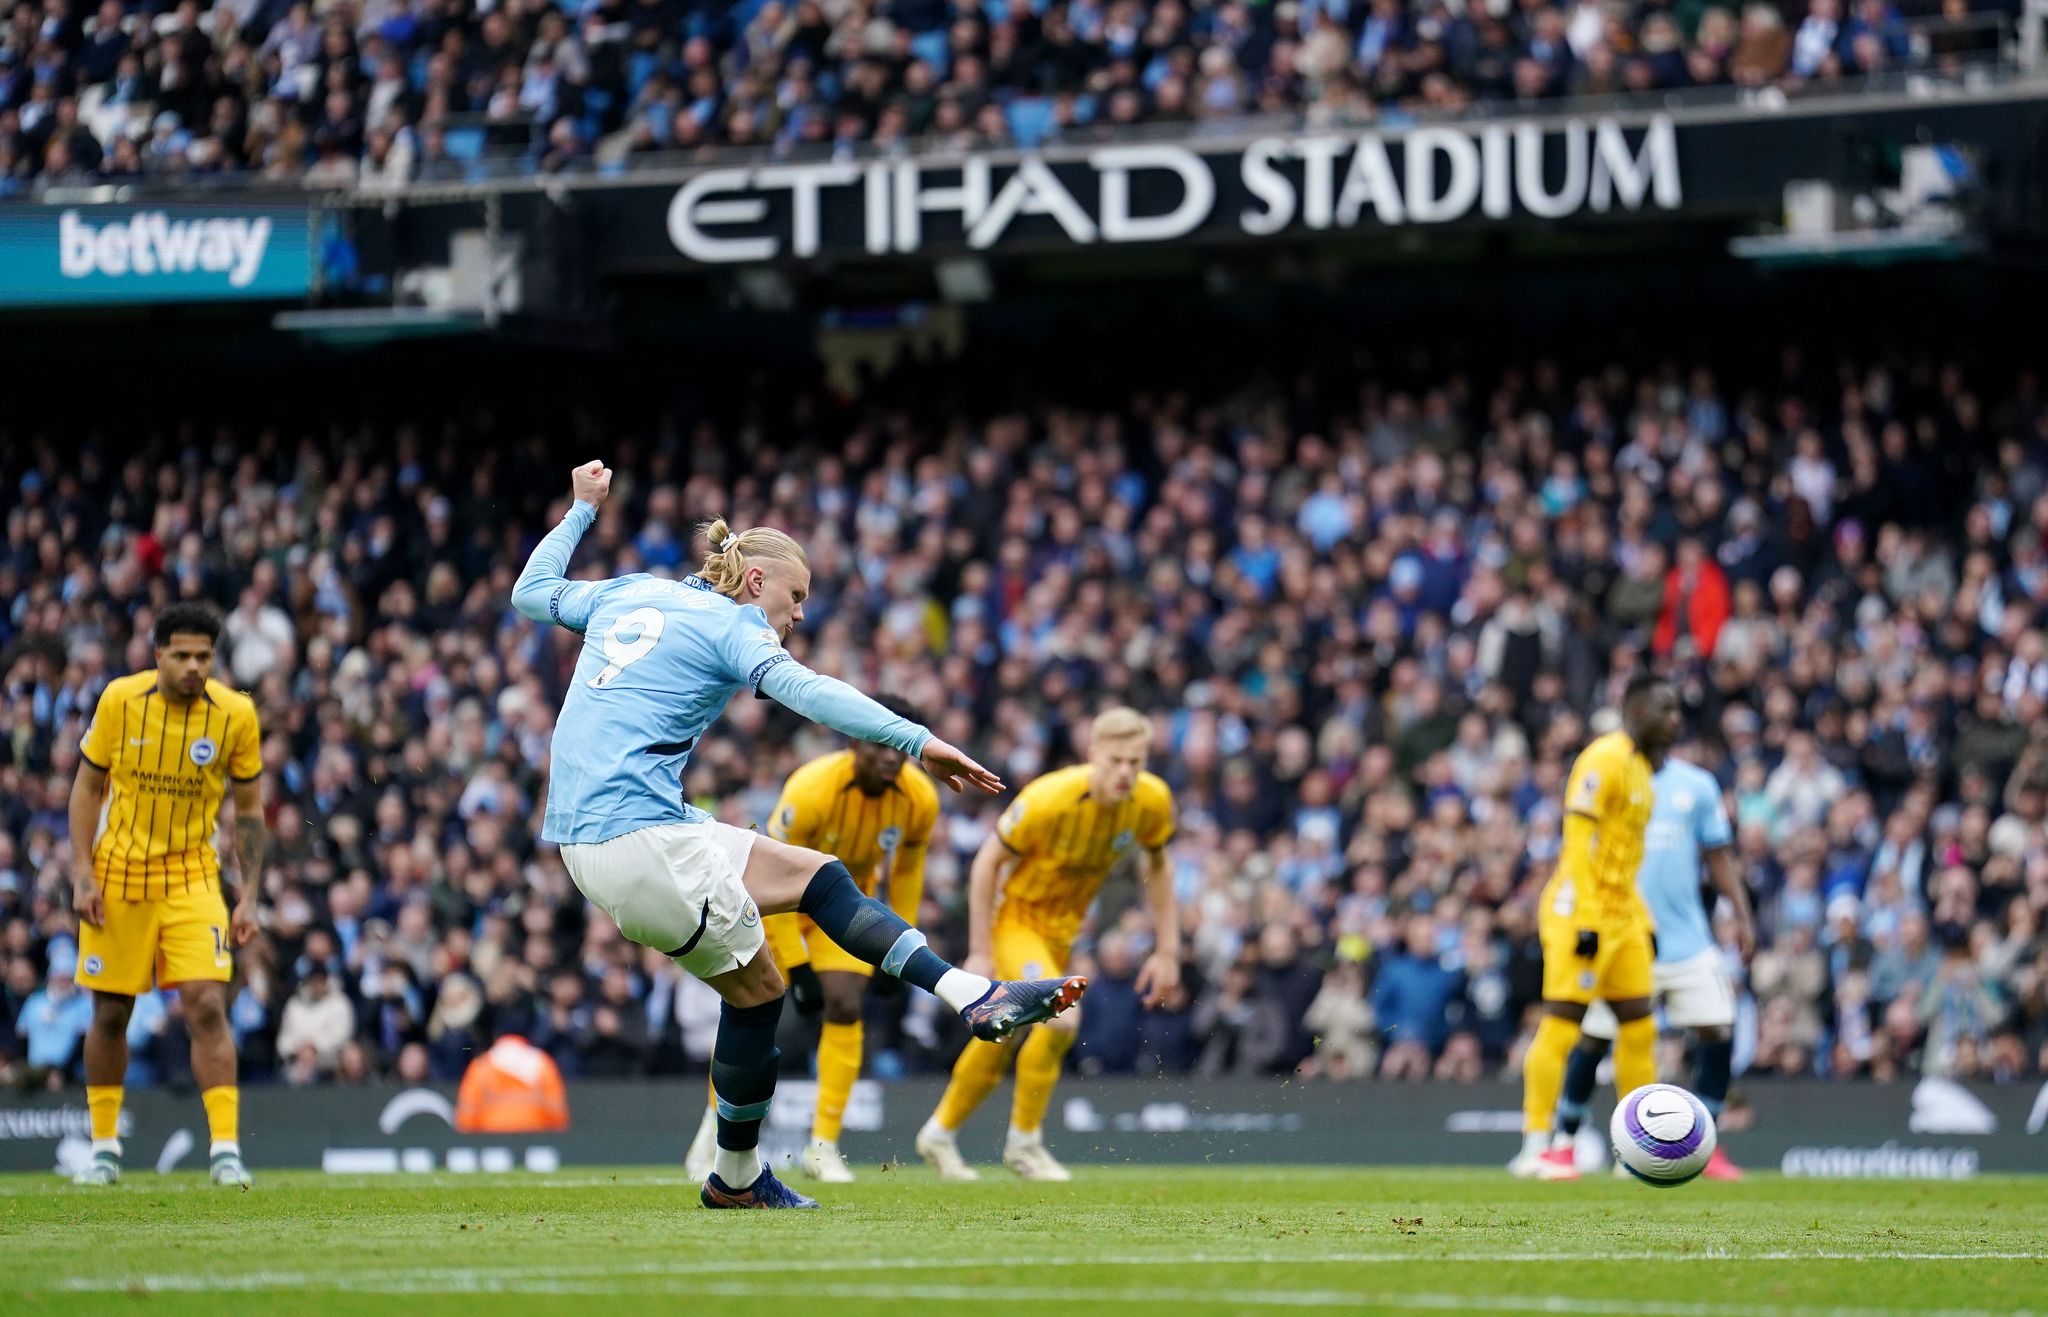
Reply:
x=675, y=887
x=1695, y=994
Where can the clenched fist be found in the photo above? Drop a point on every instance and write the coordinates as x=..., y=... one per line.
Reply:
x=591, y=482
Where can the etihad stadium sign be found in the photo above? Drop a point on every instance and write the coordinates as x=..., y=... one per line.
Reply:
x=1705, y=171
x=1160, y=192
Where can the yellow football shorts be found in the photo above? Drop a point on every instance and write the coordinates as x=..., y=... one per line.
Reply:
x=794, y=940
x=1617, y=969
x=145, y=944
x=1025, y=953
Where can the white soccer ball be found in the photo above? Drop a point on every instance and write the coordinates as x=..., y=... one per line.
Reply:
x=1662, y=1135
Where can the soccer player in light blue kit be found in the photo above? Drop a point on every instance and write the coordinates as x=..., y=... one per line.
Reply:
x=660, y=660
x=1687, y=824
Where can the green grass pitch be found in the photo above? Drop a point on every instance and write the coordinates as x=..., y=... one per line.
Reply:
x=1168, y=1240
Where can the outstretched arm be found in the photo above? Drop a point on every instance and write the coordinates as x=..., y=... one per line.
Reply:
x=839, y=706
x=544, y=592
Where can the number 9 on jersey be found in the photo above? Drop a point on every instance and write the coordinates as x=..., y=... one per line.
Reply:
x=628, y=640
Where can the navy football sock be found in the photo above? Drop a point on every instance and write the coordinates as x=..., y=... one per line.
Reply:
x=1581, y=1074
x=1716, y=1060
x=743, y=1064
x=869, y=929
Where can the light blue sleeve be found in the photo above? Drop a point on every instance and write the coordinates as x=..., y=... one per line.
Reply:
x=839, y=706
x=748, y=647
x=1710, y=817
x=544, y=592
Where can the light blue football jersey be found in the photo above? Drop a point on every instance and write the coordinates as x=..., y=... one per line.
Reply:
x=1686, y=819
x=661, y=659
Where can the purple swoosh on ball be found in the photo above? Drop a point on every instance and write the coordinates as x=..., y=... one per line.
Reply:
x=1670, y=1149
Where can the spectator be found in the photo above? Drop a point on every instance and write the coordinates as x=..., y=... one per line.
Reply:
x=1412, y=997
x=1342, y=1021
x=53, y=1021
x=1111, y=1029
x=1695, y=603
x=618, y=1024
x=1802, y=787
x=318, y=1022
x=259, y=638
x=1958, y=1009
x=1814, y=43
x=453, y=1038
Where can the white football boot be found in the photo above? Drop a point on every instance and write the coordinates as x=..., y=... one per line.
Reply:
x=1032, y=1160
x=697, y=1163
x=823, y=1162
x=936, y=1144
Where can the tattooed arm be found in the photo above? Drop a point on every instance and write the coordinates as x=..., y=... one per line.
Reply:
x=250, y=839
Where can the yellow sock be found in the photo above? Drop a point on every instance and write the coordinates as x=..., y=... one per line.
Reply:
x=1038, y=1069
x=104, y=1102
x=223, y=1113
x=1543, y=1072
x=838, y=1067
x=975, y=1075
x=1635, y=1055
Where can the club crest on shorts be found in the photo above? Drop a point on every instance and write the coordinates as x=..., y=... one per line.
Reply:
x=203, y=750
x=94, y=965
x=750, y=915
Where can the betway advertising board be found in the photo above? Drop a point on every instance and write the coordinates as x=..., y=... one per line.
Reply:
x=1933, y=1129
x=100, y=255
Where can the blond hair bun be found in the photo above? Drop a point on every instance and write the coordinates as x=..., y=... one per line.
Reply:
x=726, y=566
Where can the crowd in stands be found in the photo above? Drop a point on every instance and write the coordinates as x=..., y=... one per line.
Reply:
x=378, y=92
x=1372, y=623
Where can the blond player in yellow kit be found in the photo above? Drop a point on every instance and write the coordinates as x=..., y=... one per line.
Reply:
x=875, y=811
x=1593, y=925
x=164, y=749
x=1029, y=889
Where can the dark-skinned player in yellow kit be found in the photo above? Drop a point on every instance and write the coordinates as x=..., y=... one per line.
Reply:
x=165, y=748
x=1594, y=927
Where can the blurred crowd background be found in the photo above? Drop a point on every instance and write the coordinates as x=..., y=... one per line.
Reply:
x=379, y=92
x=1374, y=607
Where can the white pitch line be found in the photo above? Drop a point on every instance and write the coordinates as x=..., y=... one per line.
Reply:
x=495, y=1283
x=468, y=1277
x=494, y=1180
x=1260, y=1258
x=1243, y=1258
